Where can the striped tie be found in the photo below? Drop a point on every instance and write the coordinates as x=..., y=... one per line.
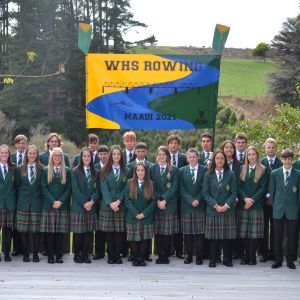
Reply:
x=88, y=176
x=4, y=171
x=287, y=177
x=162, y=171
x=116, y=173
x=32, y=175
x=251, y=173
x=56, y=171
x=20, y=160
x=220, y=178
x=173, y=160
x=193, y=176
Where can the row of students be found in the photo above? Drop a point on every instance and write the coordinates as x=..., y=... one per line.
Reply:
x=164, y=241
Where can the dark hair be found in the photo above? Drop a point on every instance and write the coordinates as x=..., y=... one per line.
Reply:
x=169, y=165
x=207, y=135
x=213, y=163
x=287, y=153
x=141, y=145
x=173, y=137
x=103, y=148
x=241, y=136
x=81, y=164
x=234, y=150
x=93, y=138
x=148, y=186
x=108, y=166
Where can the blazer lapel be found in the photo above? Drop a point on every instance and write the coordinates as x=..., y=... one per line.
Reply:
x=291, y=179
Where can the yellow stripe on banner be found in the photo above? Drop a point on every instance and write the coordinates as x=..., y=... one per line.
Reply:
x=222, y=28
x=85, y=27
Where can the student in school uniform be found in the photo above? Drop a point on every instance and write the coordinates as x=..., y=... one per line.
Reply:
x=7, y=199
x=178, y=160
x=129, y=141
x=285, y=194
x=228, y=147
x=55, y=218
x=206, y=154
x=29, y=202
x=240, y=141
x=103, y=153
x=272, y=162
x=18, y=158
x=53, y=141
x=140, y=202
x=93, y=144
x=193, y=206
x=220, y=192
x=83, y=211
x=252, y=188
x=111, y=220
x=165, y=178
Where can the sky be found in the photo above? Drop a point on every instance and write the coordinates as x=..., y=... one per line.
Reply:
x=192, y=22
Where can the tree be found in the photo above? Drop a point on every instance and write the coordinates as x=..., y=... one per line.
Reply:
x=261, y=50
x=287, y=43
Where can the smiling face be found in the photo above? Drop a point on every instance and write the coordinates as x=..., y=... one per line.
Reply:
x=252, y=157
x=161, y=157
x=56, y=158
x=103, y=156
x=32, y=154
x=219, y=161
x=228, y=151
x=21, y=146
x=140, y=172
x=270, y=149
x=4, y=154
x=192, y=158
x=86, y=158
x=116, y=156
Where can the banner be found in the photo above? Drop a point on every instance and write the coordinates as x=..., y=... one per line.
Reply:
x=84, y=37
x=145, y=91
x=220, y=37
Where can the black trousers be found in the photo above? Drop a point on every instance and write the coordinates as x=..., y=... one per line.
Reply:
x=26, y=243
x=139, y=249
x=55, y=244
x=17, y=243
x=6, y=239
x=114, y=242
x=292, y=238
x=266, y=245
x=178, y=237
x=194, y=241
x=250, y=246
x=215, y=249
x=163, y=245
x=81, y=243
x=99, y=243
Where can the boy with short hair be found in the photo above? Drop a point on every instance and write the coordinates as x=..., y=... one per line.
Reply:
x=240, y=141
x=21, y=143
x=206, y=140
x=129, y=141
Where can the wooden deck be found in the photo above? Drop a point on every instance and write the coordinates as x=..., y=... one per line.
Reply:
x=99, y=280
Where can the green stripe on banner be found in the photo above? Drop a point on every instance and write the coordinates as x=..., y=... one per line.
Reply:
x=220, y=37
x=84, y=37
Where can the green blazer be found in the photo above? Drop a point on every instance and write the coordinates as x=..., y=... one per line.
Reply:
x=77, y=159
x=202, y=160
x=181, y=160
x=112, y=189
x=277, y=163
x=44, y=158
x=138, y=206
x=132, y=165
x=255, y=190
x=166, y=188
x=286, y=199
x=7, y=189
x=30, y=196
x=82, y=191
x=296, y=164
x=190, y=191
x=214, y=194
x=56, y=191
x=133, y=158
x=236, y=168
x=14, y=158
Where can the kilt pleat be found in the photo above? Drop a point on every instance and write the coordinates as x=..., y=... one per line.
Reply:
x=55, y=221
x=110, y=221
x=165, y=224
x=250, y=223
x=83, y=222
x=139, y=232
x=28, y=221
x=6, y=218
x=220, y=227
x=193, y=223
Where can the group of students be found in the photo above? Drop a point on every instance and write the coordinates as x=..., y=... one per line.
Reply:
x=203, y=203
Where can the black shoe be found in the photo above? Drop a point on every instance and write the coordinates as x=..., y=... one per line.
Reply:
x=59, y=260
x=45, y=253
x=35, y=258
x=86, y=260
x=15, y=253
x=227, y=263
x=7, y=257
x=244, y=261
x=26, y=259
x=98, y=256
x=264, y=259
x=212, y=264
x=252, y=262
x=130, y=258
x=143, y=263
x=188, y=260
x=179, y=255
x=165, y=261
x=78, y=259
x=291, y=265
x=51, y=260
x=148, y=258
x=118, y=261
x=159, y=261
x=276, y=265
x=199, y=261
x=110, y=261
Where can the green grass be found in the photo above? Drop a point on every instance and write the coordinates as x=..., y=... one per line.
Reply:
x=154, y=50
x=245, y=77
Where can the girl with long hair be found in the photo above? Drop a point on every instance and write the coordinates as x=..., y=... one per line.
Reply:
x=55, y=219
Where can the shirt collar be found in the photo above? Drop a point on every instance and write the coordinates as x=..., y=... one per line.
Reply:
x=217, y=172
x=194, y=168
x=284, y=170
x=1, y=165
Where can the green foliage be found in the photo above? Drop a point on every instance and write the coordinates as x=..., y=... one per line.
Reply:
x=261, y=50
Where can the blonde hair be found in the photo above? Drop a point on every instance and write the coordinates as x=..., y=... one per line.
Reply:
x=50, y=136
x=50, y=174
x=270, y=141
x=259, y=168
x=129, y=135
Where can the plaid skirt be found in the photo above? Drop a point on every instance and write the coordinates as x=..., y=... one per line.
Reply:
x=28, y=221
x=220, y=227
x=6, y=218
x=55, y=221
x=83, y=222
x=250, y=223
x=110, y=221
x=193, y=223
x=165, y=224
x=139, y=232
